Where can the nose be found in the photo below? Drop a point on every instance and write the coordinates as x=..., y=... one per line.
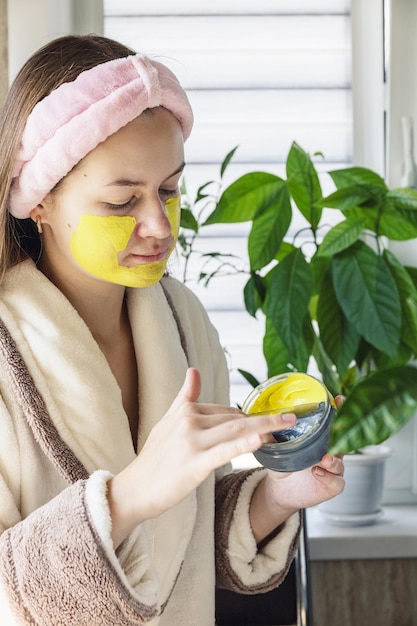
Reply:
x=152, y=220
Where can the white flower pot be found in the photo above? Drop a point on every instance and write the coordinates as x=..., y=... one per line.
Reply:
x=360, y=502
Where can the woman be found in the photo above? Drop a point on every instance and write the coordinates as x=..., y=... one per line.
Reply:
x=114, y=392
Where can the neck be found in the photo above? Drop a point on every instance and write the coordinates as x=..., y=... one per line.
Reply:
x=105, y=313
x=100, y=304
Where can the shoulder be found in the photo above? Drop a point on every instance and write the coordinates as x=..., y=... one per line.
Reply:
x=179, y=290
x=202, y=339
x=183, y=299
x=188, y=310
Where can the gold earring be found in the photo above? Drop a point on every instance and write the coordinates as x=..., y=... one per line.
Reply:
x=39, y=224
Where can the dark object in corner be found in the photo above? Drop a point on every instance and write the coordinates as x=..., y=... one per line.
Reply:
x=289, y=604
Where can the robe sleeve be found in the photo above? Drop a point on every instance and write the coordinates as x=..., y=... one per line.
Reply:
x=242, y=565
x=58, y=566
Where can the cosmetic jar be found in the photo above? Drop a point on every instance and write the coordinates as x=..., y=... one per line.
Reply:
x=304, y=444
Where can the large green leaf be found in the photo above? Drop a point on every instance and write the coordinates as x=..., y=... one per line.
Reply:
x=279, y=360
x=369, y=215
x=247, y=197
x=275, y=352
x=402, y=357
x=319, y=266
x=347, y=198
x=309, y=338
x=268, y=230
x=304, y=185
x=404, y=198
x=254, y=293
x=386, y=220
x=410, y=335
x=368, y=296
x=340, y=237
x=412, y=272
x=377, y=407
x=408, y=299
x=339, y=337
x=288, y=297
x=284, y=250
x=399, y=219
x=326, y=367
x=360, y=176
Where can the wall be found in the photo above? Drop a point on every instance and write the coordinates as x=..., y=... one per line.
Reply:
x=31, y=24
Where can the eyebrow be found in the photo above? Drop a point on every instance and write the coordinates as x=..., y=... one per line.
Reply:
x=125, y=182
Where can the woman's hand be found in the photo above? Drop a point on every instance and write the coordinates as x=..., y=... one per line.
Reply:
x=184, y=447
x=281, y=494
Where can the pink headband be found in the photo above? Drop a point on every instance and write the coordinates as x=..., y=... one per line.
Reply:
x=66, y=125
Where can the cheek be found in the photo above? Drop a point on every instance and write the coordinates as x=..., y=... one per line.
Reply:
x=97, y=240
x=173, y=211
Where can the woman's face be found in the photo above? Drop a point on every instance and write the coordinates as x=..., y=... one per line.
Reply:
x=116, y=215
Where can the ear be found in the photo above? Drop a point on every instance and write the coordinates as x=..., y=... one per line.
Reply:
x=42, y=211
x=34, y=214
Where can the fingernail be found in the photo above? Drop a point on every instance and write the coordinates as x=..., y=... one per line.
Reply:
x=319, y=471
x=287, y=417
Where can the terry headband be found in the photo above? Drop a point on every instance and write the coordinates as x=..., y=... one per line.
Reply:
x=74, y=118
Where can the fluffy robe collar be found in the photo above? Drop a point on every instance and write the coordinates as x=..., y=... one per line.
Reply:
x=81, y=393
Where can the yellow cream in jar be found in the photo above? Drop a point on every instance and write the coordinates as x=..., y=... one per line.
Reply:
x=304, y=444
x=288, y=393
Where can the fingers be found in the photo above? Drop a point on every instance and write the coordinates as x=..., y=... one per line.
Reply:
x=190, y=390
x=329, y=465
x=332, y=463
x=220, y=431
x=243, y=429
x=192, y=385
x=228, y=441
x=339, y=401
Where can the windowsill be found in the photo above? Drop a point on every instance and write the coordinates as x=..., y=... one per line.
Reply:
x=391, y=536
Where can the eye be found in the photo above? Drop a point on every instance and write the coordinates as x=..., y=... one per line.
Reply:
x=122, y=207
x=168, y=193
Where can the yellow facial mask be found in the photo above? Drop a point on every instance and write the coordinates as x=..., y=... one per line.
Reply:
x=97, y=241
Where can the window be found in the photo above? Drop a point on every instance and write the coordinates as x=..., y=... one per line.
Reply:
x=260, y=75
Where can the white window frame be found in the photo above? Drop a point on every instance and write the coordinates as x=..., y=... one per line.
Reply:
x=368, y=88
x=385, y=89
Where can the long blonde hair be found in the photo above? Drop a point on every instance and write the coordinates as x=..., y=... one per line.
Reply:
x=59, y=61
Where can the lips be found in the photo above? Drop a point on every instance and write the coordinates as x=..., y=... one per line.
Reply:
x=149, y=258
x=152, y=256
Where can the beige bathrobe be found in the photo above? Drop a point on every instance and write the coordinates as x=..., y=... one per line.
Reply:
x=64, y=433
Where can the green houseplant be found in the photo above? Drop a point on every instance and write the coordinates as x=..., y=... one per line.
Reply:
x=348, y=303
